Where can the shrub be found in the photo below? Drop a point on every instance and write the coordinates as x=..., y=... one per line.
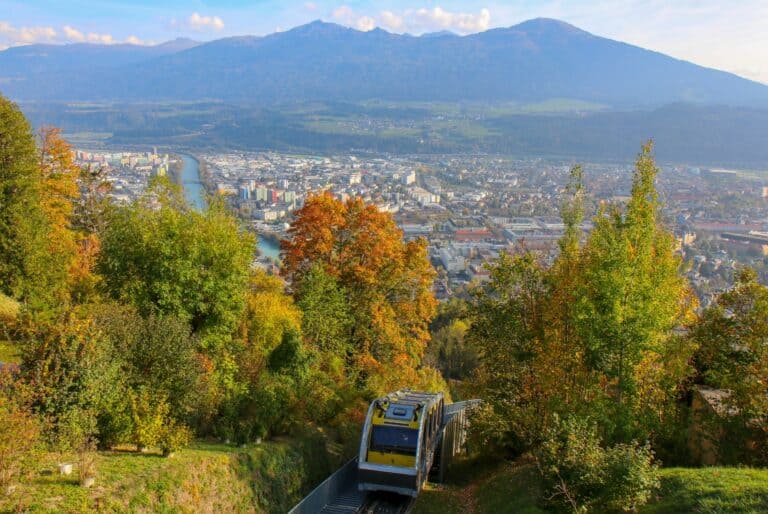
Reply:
x=578, y=473
x=19, y=433
x=86, y=460
x=149, y=413
x=174, y=437
x=9, y=308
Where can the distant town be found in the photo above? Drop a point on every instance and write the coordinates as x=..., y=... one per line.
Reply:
x=470, y=208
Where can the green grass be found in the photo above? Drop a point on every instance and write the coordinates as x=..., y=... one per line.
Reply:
x=270, y=477
x=515, y=488
x=711, y=491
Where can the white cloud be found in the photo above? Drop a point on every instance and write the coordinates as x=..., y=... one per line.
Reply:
x=104, y=39
x=73, y=34
x=133, y=40
x=365, y=23
x=310, y=6
x=438, y=18
x=390, y=21
x=201, y=23
x=416, y=21
x=17, y=36
x=14, y=36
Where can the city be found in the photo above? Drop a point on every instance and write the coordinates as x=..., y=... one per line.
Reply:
x=427, y=257
x=471, y=208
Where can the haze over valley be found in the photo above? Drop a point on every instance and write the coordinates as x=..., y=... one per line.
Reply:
x=542, y=87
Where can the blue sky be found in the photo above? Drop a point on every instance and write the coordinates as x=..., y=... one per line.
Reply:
x=727, y=34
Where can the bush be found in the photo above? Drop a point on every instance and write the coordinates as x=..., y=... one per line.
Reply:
x=174, y=437
x=149, y=413
x=9, y=308
x=578, y=473
x=19, y=433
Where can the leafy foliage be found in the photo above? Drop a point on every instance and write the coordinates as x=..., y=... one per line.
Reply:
x=580, y=474
x=28, y=270
x=19, y=431
x=387, y=281
x=732, y=355
x=326, y=317
x=592, y=335
x=165, y=258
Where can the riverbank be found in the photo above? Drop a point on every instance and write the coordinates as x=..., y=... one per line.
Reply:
x=195, y=193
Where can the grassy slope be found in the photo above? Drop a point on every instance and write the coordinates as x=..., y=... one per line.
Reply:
x=515, y=488
x=205, y=478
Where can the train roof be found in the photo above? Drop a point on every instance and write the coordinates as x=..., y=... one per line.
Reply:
x=406, y=404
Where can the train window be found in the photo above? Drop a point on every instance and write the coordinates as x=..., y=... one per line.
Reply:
x=394, y=439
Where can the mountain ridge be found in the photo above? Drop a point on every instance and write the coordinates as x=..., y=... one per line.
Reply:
x=535, y=60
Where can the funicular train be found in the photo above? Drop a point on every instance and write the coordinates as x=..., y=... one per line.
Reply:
x=399, y=441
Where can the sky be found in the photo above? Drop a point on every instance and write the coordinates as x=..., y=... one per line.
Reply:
x=730, y=35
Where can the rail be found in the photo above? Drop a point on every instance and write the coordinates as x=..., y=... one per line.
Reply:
x=339, y=494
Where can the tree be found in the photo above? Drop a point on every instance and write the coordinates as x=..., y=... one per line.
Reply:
x=508, y=331
x=326, y=317
x=630, y=297
x=72, y=373
x=158, y=353
x=59, y=190
x=590, y=336
x=732, y=340
x=451, y=353
x=19, y=430
x=26, y=268
x=166, y=258
x=387, y=282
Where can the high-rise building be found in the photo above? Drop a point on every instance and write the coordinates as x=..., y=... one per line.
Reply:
x=261, y=194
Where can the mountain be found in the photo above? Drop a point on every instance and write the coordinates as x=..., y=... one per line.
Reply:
x=24, y=62
x=536, y=60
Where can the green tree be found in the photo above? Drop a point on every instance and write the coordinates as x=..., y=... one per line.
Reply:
x=590, y=336
x=732, y=340
x=27, y=270
x=450, y=352
x=326, y=317
x=72, y=372
x=630, y=297
x=158, y=353
x=165, y=258
x=508, y=331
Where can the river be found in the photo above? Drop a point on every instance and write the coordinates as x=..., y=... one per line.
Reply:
x=194, y=192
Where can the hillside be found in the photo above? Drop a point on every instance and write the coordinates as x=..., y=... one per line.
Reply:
x=691, y=134
x=270, y=477
x=533, y=61
x=515, y=488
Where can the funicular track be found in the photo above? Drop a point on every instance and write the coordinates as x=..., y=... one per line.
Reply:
x=339, y=493
x=356, y=501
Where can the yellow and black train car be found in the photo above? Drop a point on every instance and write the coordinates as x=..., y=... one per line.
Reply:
x=399, y=440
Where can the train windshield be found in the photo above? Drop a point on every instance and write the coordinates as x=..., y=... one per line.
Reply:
x=394, y=439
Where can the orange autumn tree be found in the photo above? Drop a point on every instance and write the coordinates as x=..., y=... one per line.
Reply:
x=60, y=179
x=386, y=280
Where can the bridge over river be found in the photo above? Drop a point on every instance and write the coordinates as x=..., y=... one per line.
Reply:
x=339, y=493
